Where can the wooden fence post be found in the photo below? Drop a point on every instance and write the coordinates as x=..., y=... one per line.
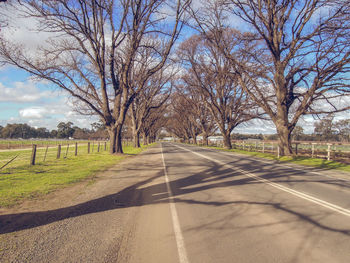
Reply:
x=105, y=146
x=312, y=150
x=59, y=151
x=329, y=151
x=88, y=147
x=32, y=159
x=76, y=149
x=263, y=147
x=67, y=150
x=296, y=148
x=278, y=151
x=98, y=147
x=47, y=147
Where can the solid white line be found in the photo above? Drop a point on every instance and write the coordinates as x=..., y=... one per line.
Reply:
x=310, y=198
x=285, y=165
x=181, y=249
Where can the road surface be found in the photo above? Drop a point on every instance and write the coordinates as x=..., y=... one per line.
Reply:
x=180, y=203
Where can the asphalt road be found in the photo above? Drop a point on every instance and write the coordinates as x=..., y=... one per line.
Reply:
x=179, y=203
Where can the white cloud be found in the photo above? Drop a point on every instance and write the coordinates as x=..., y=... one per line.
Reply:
x=33, y=113
x=22, y=92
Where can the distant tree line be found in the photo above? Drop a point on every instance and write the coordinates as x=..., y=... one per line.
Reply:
x=65, y=130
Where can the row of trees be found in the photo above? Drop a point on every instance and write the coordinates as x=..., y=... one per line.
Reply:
x=291, y=59
x=64, y=130
x=102, y=52
x=276, y=60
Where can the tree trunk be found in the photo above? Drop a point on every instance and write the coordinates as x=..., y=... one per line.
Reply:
x=205, y=139
x=195, y=140
x=144, y=138
x=285, y=142
x=227, y=140
x=136, y=139
x=119, y=141
x=112, y=140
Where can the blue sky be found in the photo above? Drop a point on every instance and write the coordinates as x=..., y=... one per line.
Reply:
x=24, y=100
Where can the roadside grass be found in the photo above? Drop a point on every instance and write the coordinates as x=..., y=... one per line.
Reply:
x=301, y=160
x=25, y=182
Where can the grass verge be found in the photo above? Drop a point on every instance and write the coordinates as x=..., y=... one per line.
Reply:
x=25, y=182
x=301, y=160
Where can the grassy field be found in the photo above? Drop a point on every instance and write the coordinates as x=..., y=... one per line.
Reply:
x=26, y=181
x=301, y=160
x=44, y=154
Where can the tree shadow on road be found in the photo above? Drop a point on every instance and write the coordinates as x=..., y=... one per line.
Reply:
x=187, y=182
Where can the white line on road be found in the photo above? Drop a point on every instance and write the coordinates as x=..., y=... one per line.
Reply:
x=283, y=165
x=181, y=249
x=310, y=198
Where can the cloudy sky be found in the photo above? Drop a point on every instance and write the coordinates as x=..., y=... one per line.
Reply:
x=23, y=100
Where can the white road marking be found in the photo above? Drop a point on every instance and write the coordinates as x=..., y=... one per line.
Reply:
x=181, y=249
x=310, y=198
x=284, y=165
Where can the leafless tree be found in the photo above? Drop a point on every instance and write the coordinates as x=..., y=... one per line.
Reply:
x=153, y=124
x=197, y=110
x=181, y=122
x=153, y=96
x=300, y=61
x=97, y=46
x=211, y=74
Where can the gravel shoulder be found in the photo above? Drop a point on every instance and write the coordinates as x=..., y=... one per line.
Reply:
x=92, y=221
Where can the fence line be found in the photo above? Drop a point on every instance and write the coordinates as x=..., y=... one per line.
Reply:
x=38, y=155
x=326, y=150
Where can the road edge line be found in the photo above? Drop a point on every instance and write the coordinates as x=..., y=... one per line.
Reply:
x=302, y=195
x=180, y=242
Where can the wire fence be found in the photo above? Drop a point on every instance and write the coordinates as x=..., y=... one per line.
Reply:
x=41, y=153
x=336, y=151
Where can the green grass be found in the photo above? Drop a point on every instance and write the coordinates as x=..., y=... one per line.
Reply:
x=301, y=160
x=25, y=181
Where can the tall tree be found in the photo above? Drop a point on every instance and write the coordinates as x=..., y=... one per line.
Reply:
x=65, y=130
x=153, y=95
x=197, y=110
x=211, y=74
x=153, y=124
x=95, y=48
x=342, y=128
x=324, y=128
x=300, y=53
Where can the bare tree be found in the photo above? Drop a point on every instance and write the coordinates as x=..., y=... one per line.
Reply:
x=211, y=74
x=299, y=59
x=96, y=48
x=197, y=110
x=153, y=96
x=153, y=124
x=181, y=122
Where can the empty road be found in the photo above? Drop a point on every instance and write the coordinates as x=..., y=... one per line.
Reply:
x=180, y=203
